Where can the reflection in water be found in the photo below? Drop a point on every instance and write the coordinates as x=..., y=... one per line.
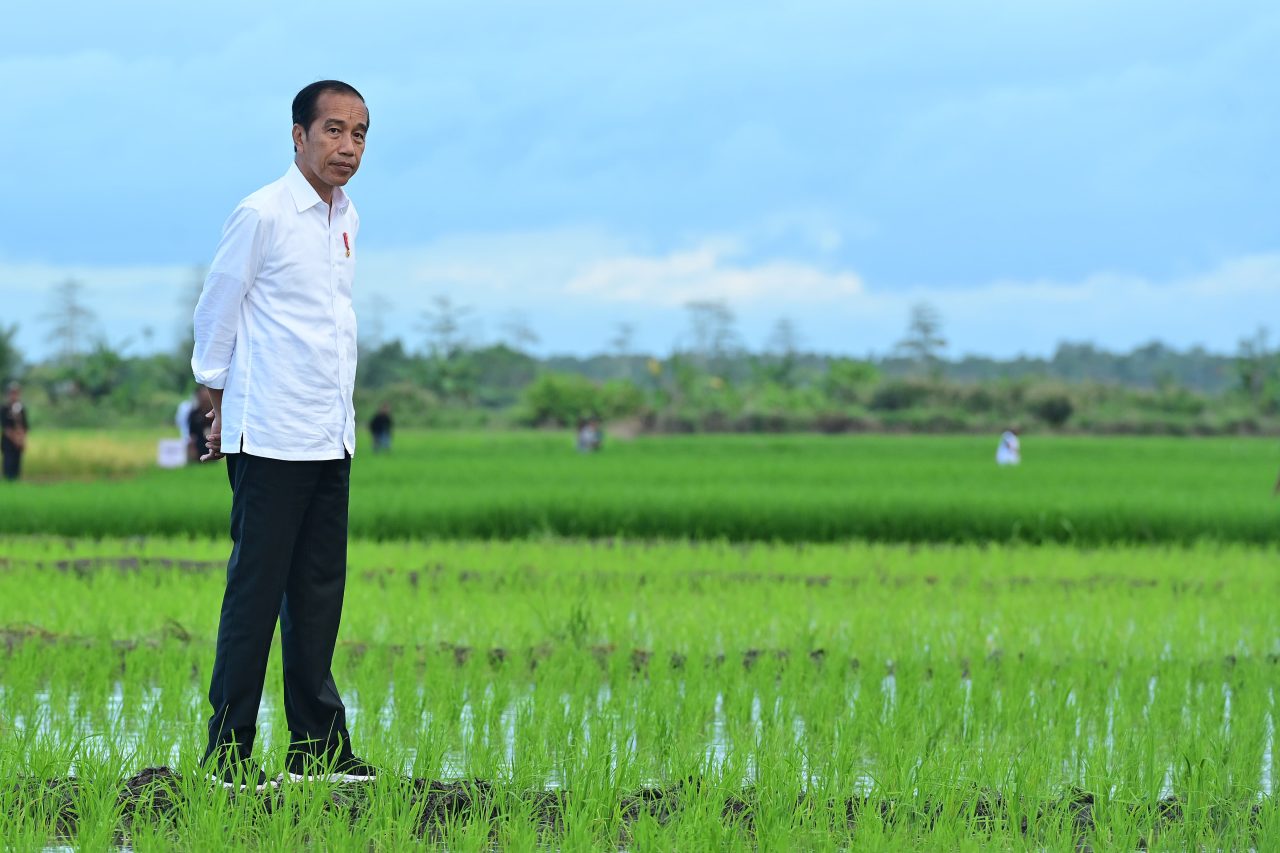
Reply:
x=150, y=719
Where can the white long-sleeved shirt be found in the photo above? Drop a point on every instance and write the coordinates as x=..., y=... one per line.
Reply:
x=275, y=327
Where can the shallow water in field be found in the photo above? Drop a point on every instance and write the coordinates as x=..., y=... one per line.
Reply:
x=73, y=723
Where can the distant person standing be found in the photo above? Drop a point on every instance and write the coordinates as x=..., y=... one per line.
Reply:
x=275, y=342
x=590, y=437
x=380, y=426
x=199, y=425
x=1010, y=450
x=13, y=426
x=182, y=417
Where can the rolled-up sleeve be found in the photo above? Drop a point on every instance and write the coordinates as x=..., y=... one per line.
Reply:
x=235, y=266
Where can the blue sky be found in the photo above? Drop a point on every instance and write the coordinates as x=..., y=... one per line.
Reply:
x=1040, y=171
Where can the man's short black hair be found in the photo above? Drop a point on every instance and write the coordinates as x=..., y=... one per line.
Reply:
x=304, y=103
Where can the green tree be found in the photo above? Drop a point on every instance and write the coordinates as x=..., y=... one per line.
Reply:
x=564, y=399
x=99, y=372
x=1256, y=366
x=10, y=355
x=384, y=365
x=782, y=353
x=501, y=373
x=448, y=370
x=847, y=379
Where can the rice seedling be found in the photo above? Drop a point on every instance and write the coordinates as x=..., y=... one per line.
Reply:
x=647, y=695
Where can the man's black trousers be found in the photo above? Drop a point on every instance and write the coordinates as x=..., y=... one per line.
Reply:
x=288, y=560
x=12, y=459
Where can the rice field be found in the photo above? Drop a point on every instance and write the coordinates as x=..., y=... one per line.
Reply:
x=550, y=693
x=1074, y=490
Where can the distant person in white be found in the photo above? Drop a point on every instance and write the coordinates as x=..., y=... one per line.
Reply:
x=275, y=343
x=1010, y=450
x=182, y=417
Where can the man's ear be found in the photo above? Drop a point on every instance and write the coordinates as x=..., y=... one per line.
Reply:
x=299, y=134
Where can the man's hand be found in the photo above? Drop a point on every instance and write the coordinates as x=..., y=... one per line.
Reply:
x=215, y=437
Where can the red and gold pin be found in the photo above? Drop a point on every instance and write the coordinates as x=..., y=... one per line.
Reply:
x=346, y=241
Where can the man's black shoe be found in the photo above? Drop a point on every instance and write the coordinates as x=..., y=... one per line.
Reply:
x=238, y=774
x=304, y=767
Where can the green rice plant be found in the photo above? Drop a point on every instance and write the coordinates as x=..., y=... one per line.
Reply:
x=938, y=489
x=663, y=695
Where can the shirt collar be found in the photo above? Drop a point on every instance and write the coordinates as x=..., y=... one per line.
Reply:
x=305, y=196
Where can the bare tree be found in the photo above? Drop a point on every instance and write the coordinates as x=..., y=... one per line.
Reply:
x=712, y=326
x=923, y=342
x=517, y=333
x=1254, y=363
x=784, y=340
x=623, y=339
x=442, y=324
x=378, y=307
x=782, y=347
x=71, y=321
x=188, y=298
x=10, y=355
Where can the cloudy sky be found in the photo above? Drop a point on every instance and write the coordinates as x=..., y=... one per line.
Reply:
x=1063, y=169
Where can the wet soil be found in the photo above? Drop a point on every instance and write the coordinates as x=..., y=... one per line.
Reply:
x=157, y=796
x=608, y=655
x=435, y=573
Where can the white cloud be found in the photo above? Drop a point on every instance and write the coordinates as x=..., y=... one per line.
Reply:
x=574, y=284
x=707, y=273
x=1213, y=308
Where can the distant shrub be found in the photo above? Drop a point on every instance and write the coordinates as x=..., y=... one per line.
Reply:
x=900, y=394
x=927, y=420
x=673, y=422
x=979, y=400
x=763, y=422
x=411, y=404
x=837, y=422
x=1053, y=408
x=560, y=399
x=846, y=378
x=1181, y=402
x=621, y=398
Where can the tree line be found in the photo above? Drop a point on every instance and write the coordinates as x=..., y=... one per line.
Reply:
x=709, y=381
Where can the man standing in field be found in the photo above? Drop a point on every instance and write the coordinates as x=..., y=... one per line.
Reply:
x=13, y=432
x=275, y=343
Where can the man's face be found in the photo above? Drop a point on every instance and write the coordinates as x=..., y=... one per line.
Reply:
x=329, y=151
